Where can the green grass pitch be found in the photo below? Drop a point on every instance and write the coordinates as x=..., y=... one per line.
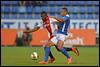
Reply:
x=20, y=56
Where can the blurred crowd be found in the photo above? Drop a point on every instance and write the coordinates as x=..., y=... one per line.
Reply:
x=24, y=4
x=32, y=3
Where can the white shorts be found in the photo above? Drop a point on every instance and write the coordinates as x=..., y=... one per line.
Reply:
x=58, y=37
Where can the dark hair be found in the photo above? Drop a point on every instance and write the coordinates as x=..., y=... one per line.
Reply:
x=65, y=9
x=43, y=12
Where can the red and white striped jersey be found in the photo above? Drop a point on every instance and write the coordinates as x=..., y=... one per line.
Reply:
x=50, y=25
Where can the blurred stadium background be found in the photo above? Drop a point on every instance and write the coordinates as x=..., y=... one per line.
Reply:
x=84, y=11
x=78, y=10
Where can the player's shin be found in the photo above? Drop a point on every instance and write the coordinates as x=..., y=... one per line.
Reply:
x=47, y=51
x=60, y=46
x=65, y=52
x=51, y=55
x=67, y=55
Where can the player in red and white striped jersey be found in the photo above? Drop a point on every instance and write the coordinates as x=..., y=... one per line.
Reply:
x=51, y=26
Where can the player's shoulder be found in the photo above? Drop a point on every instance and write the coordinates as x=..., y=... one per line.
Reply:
x=67, y=16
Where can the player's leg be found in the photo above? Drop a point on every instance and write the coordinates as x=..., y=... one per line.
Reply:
x=56, y=40
x=51, y=59
x=68, y=49
x=60, y=43
x=47, y=51
x=63, y=51
x=57, y=48
x=51, y=55
x=75, y=50
x=71, y=48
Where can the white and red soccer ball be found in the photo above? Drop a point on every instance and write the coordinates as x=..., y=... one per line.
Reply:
x=34, y=56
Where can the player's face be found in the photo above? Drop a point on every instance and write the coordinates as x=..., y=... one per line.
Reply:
x=63, y=12
x=43, y=16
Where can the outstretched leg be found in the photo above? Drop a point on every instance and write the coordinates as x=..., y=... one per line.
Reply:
x=47, y=52
x=75, y=50
x=60, y=47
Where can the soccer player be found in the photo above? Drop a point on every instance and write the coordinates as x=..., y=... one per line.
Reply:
x=44, y=17
x=60, y=37
x=50, y=27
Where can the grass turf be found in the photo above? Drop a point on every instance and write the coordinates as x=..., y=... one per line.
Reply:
x=20, y=56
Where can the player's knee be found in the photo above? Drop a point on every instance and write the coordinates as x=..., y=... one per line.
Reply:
x=60, y=44
x=48, y=44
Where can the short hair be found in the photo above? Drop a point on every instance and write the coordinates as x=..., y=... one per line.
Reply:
x=65, y=9
x=43, y=12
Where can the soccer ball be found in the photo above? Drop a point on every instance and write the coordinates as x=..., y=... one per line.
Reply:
x=34, y=56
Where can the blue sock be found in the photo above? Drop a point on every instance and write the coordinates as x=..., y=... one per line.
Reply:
x=65, y=53
x=47, y=51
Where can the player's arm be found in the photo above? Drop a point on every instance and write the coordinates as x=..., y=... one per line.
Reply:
x=32, y=30
x=58, y=19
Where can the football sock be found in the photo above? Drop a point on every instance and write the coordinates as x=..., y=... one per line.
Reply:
x=47, y=51
x=50, y=54
x=65, y=53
